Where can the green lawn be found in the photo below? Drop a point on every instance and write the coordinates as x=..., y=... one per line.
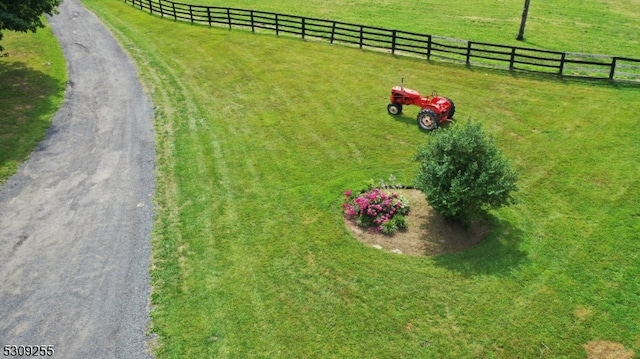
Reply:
x=590, y=26
x=32, y=82
x=257, y=139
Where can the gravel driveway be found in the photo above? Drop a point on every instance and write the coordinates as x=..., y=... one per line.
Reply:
x=75, y=221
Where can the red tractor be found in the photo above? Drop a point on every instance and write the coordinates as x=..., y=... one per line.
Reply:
x=434, y=109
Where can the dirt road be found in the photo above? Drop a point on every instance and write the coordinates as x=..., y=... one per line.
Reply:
x=75, y=221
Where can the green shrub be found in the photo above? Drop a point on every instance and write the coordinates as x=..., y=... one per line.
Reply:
x=400, y=221
x=462, y=173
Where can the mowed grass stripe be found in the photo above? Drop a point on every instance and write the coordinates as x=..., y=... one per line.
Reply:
x=251, y=258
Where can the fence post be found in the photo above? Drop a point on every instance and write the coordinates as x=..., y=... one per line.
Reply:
x=229, y=17
x=141, y=7
x=150, y=8
x=209, y=15
x=361, y=36
x=333, y=32
x=469, y=44
x=252, y=22
x=277, y=30
x=512, y=59
x=303, y=27
x=612, y=73
x=428, y=47
x=562, y=59
x=393, y=42
x=161, y=10
x=175, y=15
x=191, y=13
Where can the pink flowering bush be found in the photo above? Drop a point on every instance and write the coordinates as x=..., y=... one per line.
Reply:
x=375, y=208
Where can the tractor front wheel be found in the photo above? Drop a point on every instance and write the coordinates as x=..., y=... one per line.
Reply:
x=394, y=108
x=428, y=119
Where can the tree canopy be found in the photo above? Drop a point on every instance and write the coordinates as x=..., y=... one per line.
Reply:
x=462, y=172
x=24, y=15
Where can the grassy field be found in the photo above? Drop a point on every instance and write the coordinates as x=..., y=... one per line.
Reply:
x=590, y=26
x=259, y=136
x=32, y=83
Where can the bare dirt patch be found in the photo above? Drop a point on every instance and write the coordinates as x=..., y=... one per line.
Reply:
x=427, y=233
x=583, y=312
x=602, y=349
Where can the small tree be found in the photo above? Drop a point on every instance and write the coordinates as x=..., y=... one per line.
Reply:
x=462, y=173
x=24, y=15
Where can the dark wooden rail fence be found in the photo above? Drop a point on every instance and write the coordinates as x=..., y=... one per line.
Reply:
x=403, y=42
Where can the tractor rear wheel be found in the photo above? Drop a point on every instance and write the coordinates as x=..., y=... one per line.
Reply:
x=428, y=119
x=452, y=109
x=394, y=108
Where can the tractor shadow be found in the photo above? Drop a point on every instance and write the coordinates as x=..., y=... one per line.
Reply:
x=411, y=119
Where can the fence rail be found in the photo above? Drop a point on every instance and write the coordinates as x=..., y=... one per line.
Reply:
x=406, y=43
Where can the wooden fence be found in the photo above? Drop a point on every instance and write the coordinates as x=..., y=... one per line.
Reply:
x=399, y=42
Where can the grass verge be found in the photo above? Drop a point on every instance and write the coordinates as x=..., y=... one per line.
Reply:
x=32, y=83
x=258, y=137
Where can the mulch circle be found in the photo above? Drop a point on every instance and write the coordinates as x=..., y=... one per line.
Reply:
x=427, y=233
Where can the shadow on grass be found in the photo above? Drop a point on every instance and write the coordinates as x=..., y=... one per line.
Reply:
x=402, y=118
x=413, y=121
x=28, y=99
x=498, y=254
